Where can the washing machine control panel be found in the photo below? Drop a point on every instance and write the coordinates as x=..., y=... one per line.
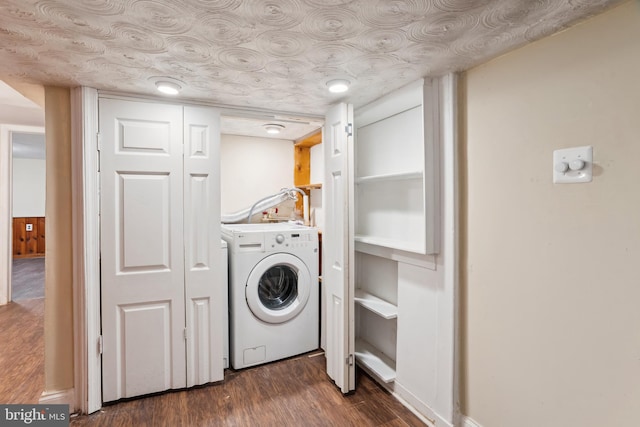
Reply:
x=244, y=238
x=290, y=240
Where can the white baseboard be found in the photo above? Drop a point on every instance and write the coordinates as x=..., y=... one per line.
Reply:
x=468, y=422
x=59, y=397
x=415, y=405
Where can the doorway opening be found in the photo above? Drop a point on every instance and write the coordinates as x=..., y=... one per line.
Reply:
x=21, y=286
x=28, y=215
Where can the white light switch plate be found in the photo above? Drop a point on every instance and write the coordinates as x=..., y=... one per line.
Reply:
x=567, y=155
x=29, y=227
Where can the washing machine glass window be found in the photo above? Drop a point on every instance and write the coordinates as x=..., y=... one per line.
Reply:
x=278, y=288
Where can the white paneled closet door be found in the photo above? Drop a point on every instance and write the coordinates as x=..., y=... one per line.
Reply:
x=142, y=257
x=338, y=253
x=160, y=247
x=206, y=305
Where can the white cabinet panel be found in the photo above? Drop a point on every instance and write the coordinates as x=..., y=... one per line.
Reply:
x=144, y=136
x=144, y=226
x=418, y=330
x=198, y=141
x=199, y=341
x=138, y=374
x=198, y=250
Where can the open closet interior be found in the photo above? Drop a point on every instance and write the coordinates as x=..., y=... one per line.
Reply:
x=391, y=314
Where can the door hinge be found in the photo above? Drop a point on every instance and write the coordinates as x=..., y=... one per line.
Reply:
x=98, y=148
x=349, y=360
x=185, y=334
x=100, y=344
x=349, y=129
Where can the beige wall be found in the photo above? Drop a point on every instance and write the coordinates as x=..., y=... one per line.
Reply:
x=252, y=168
x=33, y=92
x=551, y=278
x=29, y=184
x=58, y=317
x=16, y=111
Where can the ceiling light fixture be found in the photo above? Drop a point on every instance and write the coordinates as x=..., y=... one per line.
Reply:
x=168, y=88
x=338, y=85
x=273, y=128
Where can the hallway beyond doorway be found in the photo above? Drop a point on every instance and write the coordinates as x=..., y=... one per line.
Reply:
x=27, y=279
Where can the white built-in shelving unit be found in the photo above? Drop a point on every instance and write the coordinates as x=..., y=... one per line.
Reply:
x=368, y=354
x=378, y=306
x=396, y=209
x=397, y=176
x=375, y=361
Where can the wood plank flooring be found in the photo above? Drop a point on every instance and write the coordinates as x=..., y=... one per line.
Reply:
x=22, y=351
x=294, y=392
x=27, y=278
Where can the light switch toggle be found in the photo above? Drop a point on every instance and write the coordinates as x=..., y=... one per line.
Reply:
x=29, y=227
x=573, y=165
x=561, y=167
x=576, y=165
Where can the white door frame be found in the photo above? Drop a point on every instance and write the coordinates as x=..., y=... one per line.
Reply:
x=6, y=197
x=86, y=250
x=86, y=210
x=449, y=317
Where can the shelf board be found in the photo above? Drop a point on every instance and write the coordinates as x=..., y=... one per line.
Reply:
x=374, y=360
x=310, y=186
x=376, y=305
x=310, y=140
x=402, y=245
x=401, y=176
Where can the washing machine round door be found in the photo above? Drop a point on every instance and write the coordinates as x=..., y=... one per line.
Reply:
x=278, y=288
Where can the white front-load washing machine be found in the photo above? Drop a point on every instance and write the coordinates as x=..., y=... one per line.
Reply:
x=273, y=291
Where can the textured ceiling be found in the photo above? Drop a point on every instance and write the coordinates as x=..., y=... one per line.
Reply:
x=267, y=54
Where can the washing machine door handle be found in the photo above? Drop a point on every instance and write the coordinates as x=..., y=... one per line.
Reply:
x=278, y=288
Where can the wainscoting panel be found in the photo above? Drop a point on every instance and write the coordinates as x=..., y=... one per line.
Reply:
x=28, y=237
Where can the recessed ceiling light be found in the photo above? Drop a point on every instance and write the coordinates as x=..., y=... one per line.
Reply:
x=273, y=128
x=338, y=85
x=168, y=88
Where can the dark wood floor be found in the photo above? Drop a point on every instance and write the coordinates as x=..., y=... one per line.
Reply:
x=22, y=351
x=293, y=392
